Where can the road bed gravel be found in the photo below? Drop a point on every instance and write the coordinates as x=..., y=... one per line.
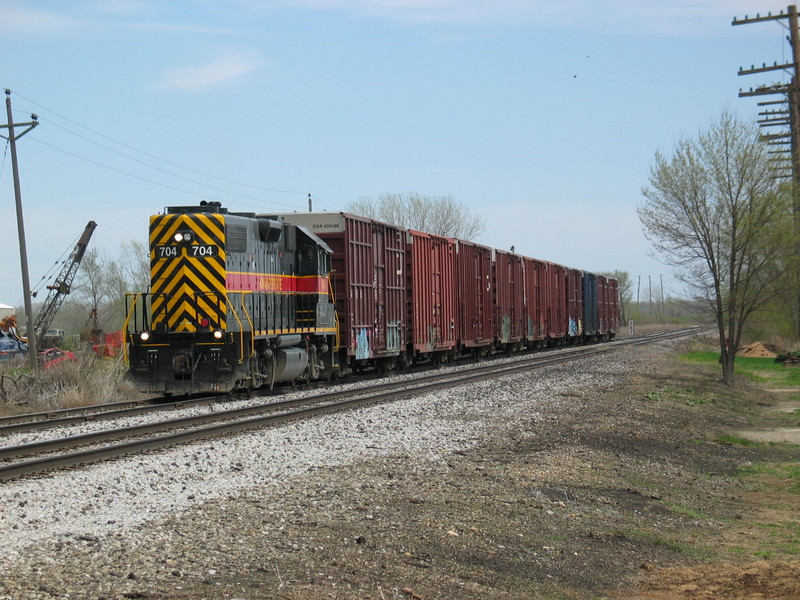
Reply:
x=459, y=494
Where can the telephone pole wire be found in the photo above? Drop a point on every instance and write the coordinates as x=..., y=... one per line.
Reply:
x=23, y=253
x=786, y=142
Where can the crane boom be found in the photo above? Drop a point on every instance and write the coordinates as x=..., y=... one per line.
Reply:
x=63, y=283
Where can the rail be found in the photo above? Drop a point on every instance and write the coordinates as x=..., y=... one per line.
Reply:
x=325, y=403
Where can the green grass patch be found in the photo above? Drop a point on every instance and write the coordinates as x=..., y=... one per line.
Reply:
x=757, y=369
x=732, y=440
x=686, y=395
x=686, y=511
x=785, y=476
x=660, y=540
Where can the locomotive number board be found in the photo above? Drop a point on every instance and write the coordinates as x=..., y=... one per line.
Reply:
x=198, y=251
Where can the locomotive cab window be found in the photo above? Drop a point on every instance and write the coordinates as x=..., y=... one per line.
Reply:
x=307, y=260
x=313, y=254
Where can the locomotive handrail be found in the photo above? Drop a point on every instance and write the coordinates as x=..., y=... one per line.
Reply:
x=241, y=329
x=335, y=312
x=250, y=323
x=127, y=322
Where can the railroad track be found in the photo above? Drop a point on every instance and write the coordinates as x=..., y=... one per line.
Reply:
x=218, y=423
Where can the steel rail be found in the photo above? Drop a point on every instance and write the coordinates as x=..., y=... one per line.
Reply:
x=365, y=396
x=140, y=407
x=112, y=410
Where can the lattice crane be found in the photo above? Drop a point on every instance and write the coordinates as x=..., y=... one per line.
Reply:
x=63, y=283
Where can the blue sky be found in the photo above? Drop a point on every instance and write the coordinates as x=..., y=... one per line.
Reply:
x=543, y=117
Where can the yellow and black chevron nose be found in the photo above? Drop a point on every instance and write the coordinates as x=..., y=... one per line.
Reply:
x=187, y=271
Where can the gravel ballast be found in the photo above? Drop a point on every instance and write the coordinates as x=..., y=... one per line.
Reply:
x=124, y=497
x=467, y=493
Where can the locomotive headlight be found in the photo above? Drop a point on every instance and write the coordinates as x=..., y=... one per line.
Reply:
x=144, y=336
x=218, y=334
x=182, y=238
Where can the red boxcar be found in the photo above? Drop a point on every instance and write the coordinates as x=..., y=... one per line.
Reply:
x=369, y=259
x=431, y=287
x=474, y=295
x=535, y=301
x=509, y=299
x=575, y=316
x=556, y=302
x=608, y=303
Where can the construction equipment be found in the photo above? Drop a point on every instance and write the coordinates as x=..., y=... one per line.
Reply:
x=63, y=283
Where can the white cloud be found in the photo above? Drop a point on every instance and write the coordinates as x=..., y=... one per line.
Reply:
x=225, y=68
x=25, y=21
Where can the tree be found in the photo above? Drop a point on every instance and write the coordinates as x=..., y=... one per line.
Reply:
x=135, y=265
x=715, y=212
x=441, y=215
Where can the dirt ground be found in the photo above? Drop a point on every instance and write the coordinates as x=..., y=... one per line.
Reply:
x=648, y=489
x=632, y=494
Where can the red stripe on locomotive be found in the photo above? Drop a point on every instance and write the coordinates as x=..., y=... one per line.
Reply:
x=279, y=284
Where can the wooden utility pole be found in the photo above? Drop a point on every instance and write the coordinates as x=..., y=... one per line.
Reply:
x=23, y=253
x=785, y=116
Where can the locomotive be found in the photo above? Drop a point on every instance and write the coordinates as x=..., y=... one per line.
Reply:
x=236, y=300
x=244, y=300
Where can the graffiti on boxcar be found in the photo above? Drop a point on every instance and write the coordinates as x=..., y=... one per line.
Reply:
x=393, y=339
x=574, y=327
x=362, y=344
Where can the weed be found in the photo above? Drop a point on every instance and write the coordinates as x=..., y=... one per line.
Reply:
x=686, y=511
x=732, y=440
x=658, y=540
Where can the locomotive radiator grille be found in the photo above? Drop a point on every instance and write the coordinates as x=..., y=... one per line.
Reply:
x=188, y=277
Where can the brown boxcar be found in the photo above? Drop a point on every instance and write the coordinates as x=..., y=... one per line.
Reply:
x=431, y=288
x=535, y=301
x=369, y=259
x=509, y=305
x=556, y=302
x=474, y=320
x=608, y=306
x=575, y=292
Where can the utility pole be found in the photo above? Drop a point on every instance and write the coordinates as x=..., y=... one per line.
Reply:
x=787, y=116
x=786, y=141
x=23, y=253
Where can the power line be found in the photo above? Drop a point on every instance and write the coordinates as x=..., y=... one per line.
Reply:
x=145, y=179
x=150, y=155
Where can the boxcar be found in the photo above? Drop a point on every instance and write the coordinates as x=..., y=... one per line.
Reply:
x=535, y=302
x=556, y=281
x=509, y=304
x=369, y=259
x=574, y=297
x=474, y=285
x=431, y=289
x=608, y=307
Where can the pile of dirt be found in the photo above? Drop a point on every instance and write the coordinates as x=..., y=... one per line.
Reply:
x=758, y=350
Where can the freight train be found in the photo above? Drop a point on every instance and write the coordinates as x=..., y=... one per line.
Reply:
x=243, y=300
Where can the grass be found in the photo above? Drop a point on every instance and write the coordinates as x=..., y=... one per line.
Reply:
x=732, y=440
x=761, y=370
x=660, y=540
x=88, y=380
x=778, y=476
x=686, y=511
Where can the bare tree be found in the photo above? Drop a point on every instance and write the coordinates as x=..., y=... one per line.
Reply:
x=716, y=214
x=440, y=215
x=135, y=265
